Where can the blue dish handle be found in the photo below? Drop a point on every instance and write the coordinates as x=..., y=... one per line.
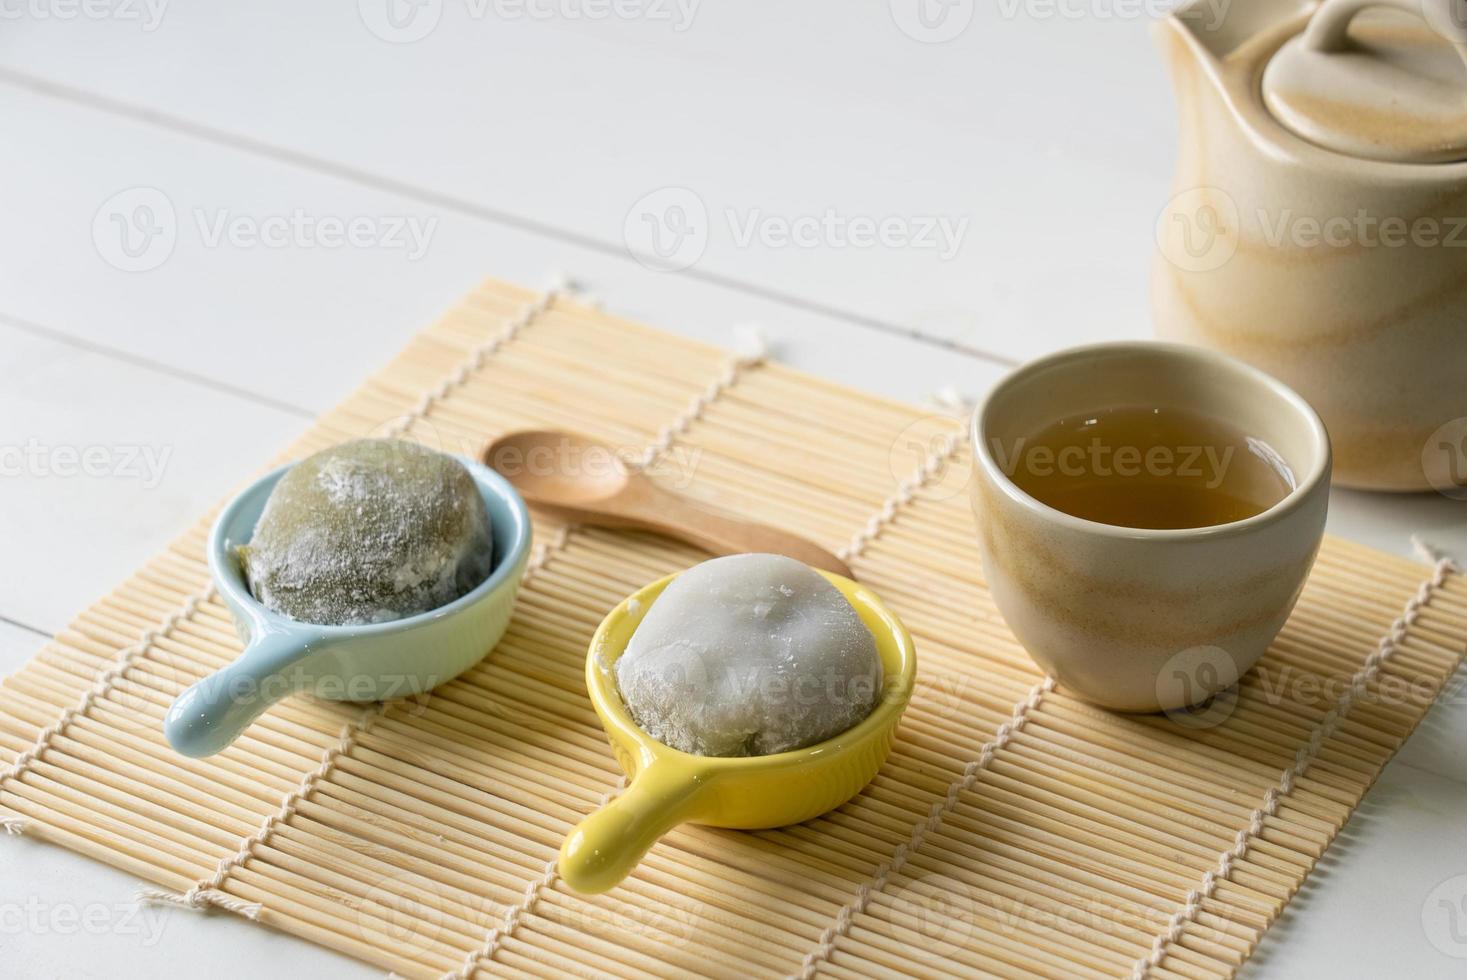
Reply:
x=211, y=714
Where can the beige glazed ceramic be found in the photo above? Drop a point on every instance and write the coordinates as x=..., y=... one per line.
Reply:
x=1145, y=620
x=1319, y=224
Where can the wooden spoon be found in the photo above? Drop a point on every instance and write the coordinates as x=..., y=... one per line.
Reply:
x=584, y=481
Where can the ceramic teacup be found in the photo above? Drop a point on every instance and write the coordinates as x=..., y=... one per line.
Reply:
x=1138, y=619
x=373, y=662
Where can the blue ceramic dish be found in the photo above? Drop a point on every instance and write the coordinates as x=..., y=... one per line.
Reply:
x=375, y=662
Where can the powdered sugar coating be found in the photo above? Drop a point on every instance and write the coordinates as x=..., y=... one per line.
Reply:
x=369, y=531
x=749, y=655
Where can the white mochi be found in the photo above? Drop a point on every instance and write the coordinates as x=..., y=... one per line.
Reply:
x=749, y=655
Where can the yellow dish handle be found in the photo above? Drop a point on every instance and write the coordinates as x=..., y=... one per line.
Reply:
x=606, y=846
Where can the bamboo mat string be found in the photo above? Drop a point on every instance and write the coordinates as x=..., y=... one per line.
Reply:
x=210, y=893
x=756, y=353
x=1303, y=759
x=1433, y=555
x=100, y=687
x=479, y=356
x=947, y=448
x=938, y=812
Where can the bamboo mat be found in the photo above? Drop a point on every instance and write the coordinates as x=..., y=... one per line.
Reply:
x=1014, y=831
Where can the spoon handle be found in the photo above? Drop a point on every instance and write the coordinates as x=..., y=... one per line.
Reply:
x=680, y=518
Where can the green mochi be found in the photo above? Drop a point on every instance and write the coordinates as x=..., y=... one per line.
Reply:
x=367, y=532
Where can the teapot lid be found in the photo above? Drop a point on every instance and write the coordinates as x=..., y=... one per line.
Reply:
x=1389, y=86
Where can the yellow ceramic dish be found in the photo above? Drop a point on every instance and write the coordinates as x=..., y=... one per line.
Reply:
x=670, y=787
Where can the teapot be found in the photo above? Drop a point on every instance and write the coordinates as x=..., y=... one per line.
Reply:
x=1318, y=227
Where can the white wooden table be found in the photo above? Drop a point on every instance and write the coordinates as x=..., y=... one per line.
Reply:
x=218, y=219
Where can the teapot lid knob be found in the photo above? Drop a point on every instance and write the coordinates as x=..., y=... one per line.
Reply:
x=1390, y=85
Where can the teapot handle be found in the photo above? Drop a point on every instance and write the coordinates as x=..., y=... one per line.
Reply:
x=1328, y=29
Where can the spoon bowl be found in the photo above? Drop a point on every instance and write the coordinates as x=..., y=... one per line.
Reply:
x=560, y=466
x=581, y=480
